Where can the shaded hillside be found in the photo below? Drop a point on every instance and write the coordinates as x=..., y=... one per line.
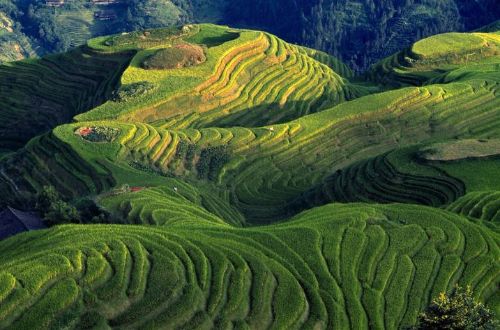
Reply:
x=37, y=95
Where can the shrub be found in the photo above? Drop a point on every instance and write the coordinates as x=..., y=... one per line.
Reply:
x=61, y=212
x=149, y=169
x=182, y=148
x=46, y=198
x=126, y=92
x=98, y=133
x=53, y=209
x=190, y=153
x=458, y=310
x=178, y=56
x=211, y=161
x=90, y=212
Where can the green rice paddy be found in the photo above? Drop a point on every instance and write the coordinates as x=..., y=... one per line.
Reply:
x=269, y=187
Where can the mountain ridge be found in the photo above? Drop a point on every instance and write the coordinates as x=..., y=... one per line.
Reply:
x=360, y=33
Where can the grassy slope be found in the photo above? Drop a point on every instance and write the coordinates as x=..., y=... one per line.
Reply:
x=37, y=95
x=348, y=265
x=339, y=265
x=254, y=71
x=433, y=58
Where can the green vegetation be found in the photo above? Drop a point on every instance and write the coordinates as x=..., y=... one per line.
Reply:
x=256, y=71
x=212, y=36
x=484, y=205
x=98, y=133
x=37, y=95
x=433, y=58
x=129, y=91
x=457, y=311
x=385, y=263
x=53, y=209
x=380, y=180
x=462, y=149
x=178, y=56
x=134, y=40
x=263, y=188
x=360, y=32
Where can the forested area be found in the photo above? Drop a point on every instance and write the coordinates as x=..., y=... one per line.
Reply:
x=359, y=32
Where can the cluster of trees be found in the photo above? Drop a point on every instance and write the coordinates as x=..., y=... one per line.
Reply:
x=55, y=211
x=40, y=26
x=211, y=161
x=128, y=91
x=146, y=14
x=361, y=32
x=186, y=152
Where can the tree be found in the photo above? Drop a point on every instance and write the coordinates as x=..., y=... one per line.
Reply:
x=91, y=212
x=61, y=212
x=458, y=310
x=53, y=209
x=46, y=198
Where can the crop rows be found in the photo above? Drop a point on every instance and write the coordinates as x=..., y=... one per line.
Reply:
x=176, y=203
x=294, y=162
x=267, y=167
x=395, y=70
x=274, y=79
x=426, y=61
x=484, y=205
x=377, y=180
x=37, y=95
x=48, y=161
x=394, y=259
x=191, y=177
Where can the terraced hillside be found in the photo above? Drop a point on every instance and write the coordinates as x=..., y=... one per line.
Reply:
x=348, y=266
x=37, y=95
x=244, y=70
x=379, y=180
x=482, y=205
x=260, y=187
x=431, y=59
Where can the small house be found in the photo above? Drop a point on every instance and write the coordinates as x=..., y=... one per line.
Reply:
x=13, y=222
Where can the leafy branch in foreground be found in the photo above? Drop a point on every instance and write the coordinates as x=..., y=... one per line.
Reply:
x=459, y=310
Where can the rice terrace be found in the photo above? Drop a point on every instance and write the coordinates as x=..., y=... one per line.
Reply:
x=210, y=177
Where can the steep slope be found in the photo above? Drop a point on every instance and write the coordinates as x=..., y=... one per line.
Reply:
x=37, y=95
x=14, y=45
x=440, y=58
x=264, y=168
x=194, y=158
x=358, y=32
x=243, y=70
x=348, y=266
x=255, y=70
